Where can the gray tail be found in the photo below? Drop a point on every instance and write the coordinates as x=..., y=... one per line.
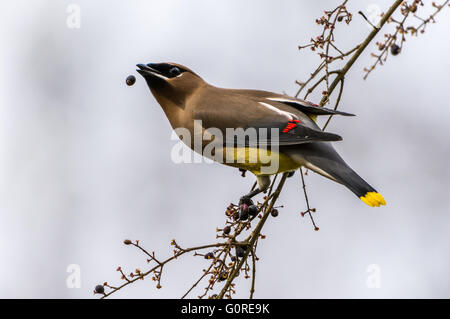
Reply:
x=341, y=173
x=323, y=159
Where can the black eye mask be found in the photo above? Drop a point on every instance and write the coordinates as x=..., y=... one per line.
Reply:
x=166, y=69
x=175, y=71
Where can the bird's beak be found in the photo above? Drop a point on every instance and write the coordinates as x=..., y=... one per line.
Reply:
x=146, y=70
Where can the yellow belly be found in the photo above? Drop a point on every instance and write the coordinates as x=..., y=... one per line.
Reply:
x=254, y=160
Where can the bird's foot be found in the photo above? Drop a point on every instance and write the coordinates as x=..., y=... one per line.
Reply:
x=247, y=209
x=245, y=200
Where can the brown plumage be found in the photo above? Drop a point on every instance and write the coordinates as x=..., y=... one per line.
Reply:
x=184, y=96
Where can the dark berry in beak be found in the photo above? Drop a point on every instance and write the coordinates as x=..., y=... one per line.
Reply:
x=131, y=79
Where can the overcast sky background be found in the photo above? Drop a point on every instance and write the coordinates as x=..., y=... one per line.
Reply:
x=85, y=160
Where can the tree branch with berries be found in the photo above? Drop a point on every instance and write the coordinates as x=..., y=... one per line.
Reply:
x=233, y=253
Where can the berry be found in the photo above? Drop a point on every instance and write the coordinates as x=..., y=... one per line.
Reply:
x=274, y=212
x=99, y=289
x=252, y=210
x=240, y=252
x=223, y=276
x=226, y=230
x=209, y=256
x=131, y=79
x=395, y=49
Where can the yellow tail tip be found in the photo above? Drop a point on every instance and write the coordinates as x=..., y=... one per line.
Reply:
x=373, y=199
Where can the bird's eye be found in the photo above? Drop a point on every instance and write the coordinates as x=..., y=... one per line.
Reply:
x=175, y=71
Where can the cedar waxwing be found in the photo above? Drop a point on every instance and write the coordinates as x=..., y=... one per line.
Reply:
x=186, y=98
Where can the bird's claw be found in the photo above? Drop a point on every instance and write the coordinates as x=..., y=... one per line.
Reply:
x=245, y=200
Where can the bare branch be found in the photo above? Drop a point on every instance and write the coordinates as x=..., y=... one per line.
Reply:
x=225, y=266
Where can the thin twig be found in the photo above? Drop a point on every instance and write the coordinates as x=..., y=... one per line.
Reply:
x=219, y=268
x=360, y=50
x=252, y=288
x=255, y=235
x=308, y=209
x=162, y=263
x=341, y=89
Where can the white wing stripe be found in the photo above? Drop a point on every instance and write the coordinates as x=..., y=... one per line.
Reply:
x=303, y=103
x=290, y=116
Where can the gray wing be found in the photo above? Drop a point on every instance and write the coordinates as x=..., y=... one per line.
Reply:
x=263, y=122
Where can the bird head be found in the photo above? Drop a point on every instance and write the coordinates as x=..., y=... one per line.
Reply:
x=170, y=82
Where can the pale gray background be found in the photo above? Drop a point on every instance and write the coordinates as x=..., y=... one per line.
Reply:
x=85, y=160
